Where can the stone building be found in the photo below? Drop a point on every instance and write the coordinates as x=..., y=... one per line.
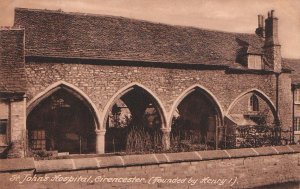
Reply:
x=295, y=65
x=65, y=75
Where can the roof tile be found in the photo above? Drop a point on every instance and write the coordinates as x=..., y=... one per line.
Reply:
x=60, y=34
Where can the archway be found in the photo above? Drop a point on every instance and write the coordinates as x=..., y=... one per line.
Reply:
x=253, y=102
x=196, y=116
x=251, y=120
x=134, y=120
x=61, y=120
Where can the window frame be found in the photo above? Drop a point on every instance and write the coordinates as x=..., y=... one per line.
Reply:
x=297, y=96
x=38, y=139
x=297, y=123
x=4, y=131
x=6, y=125
x=253, y=105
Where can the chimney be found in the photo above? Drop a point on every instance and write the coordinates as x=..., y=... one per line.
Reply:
x=260, y=30
x=272, y=48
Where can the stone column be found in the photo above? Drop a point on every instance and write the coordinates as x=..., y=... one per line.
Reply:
x=17, y=127
x=166, y=138
x=100, y=141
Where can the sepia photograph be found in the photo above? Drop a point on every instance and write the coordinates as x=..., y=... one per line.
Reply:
x=134, y=94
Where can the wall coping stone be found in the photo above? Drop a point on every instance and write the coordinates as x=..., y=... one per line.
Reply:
x=16, y=164
x=57, y=165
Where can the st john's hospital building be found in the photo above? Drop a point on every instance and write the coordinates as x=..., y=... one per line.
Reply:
x=65, y=77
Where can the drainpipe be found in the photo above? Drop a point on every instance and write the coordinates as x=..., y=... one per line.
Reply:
x=277, y=124
x=293, y=116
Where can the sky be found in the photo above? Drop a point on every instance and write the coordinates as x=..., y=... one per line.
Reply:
x=225, y=15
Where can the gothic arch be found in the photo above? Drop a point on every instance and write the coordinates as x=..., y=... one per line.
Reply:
x=127, y=89
x=259, y=93
x=71, y=89
x=188, y=91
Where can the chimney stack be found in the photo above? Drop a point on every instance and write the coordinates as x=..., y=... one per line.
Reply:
x=272, y=48
x=260, y=30
x=272, y=29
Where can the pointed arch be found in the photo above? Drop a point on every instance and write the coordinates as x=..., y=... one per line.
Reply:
x=70, y=88
x=127, y=89
x=260, y=94
x=188, y=91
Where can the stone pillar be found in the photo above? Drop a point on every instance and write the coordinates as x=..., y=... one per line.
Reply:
x=166, y=138
x=17, y=128
x=100, y=141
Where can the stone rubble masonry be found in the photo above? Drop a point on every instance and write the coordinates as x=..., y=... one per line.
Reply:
x=251, y=167
x=101, y=82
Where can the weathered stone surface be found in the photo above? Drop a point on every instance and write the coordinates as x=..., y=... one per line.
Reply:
x=86, y=163
x=162, y=158
x=283, y=149
x=111, y=161
x=213, y=154
x=265, y=150
x=54, y=165
x=139, y=159
x=246, y=152
x=296, y=148
x=183, y=156
x=16, y=164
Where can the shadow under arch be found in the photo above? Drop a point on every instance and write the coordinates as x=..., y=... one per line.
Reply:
x=128, y=88
x=71, y=89
x=190, y=90
x=195, y=120
x=260, y=94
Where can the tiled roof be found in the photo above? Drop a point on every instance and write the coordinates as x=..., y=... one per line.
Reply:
x=294, y=64
x=60, y=34
x=12, y=70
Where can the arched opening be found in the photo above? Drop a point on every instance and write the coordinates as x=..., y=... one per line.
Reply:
x=252, y=107
x=62, y=121
x=251, y=121
x=195, y=121
x=133, y=122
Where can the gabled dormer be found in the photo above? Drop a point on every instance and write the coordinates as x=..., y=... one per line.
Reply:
x=254, y=59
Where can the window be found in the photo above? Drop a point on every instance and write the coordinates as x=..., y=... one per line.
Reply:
x=38, y=140
x=3, y=129
x=255, y=62
x=253, y=103
x=3, y=126
x=297, y=124
x=297, y=96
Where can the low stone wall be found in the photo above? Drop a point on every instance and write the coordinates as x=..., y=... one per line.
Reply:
x=236, y=168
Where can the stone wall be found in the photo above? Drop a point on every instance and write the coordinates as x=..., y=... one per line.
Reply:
x=239, y=168
x=242, y=107
x=101, y=82
x=285, y=100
